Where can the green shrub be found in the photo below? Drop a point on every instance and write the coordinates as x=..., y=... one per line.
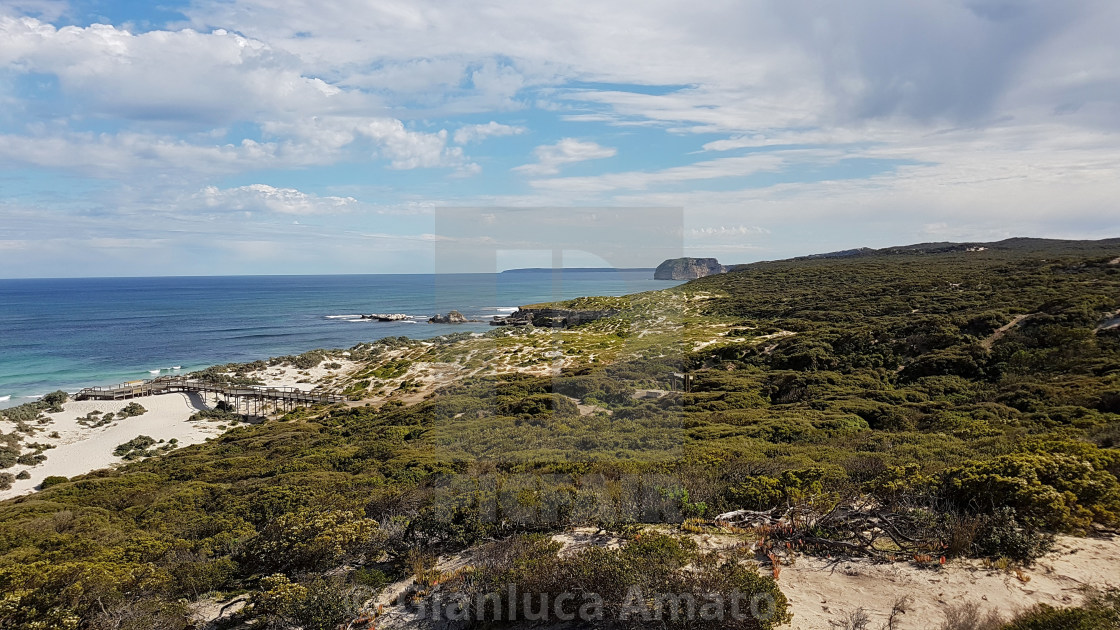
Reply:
x=1057, y=491
x=136, y=447
x=318, y=604
x=1100, y=611
x=132, y=409
x=54, y=400
x=1002, y=535
x=311, y=540
x=541, y=406
x=52, y=480
x=31, y=459
x=643, y=583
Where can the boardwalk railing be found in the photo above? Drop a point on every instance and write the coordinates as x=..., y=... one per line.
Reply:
x=286, y=396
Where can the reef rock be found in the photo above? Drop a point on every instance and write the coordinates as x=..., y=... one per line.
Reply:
x=387, y=317
x=452, y=317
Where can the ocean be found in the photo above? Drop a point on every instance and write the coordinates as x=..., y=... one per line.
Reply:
x=73, y=333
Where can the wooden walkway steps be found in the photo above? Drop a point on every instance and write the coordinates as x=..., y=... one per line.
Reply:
x=252, y=396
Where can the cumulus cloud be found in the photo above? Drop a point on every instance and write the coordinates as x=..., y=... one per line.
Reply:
x=265, y=198
x=550, y=157
x=981, y=114
x=184, y=76
x=390, y=138
x=476, y=133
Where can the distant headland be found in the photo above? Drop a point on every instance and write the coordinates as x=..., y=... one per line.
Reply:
x=579, y=269
x=688, y=268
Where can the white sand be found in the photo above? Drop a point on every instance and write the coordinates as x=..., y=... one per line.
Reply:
x=80, y=449
x=820, y=591
x=289, y=376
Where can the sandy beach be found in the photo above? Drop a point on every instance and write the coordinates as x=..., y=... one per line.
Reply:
x=79, y=449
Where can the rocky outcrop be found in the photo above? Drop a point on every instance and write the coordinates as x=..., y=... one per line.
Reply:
x=552, y=317
x=687, y=268
x=387, y=317
x=452, y=317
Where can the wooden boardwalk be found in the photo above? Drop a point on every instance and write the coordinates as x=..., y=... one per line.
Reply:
x=254, y=398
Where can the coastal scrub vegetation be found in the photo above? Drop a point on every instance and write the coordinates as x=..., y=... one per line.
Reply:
x=906, y=405
x=21, y=418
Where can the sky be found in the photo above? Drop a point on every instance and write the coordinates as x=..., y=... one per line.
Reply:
x=291, y=136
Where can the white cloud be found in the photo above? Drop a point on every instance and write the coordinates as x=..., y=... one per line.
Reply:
x=391, y=139
x=477, y=133
x=186, y=77
x=706, y=170
x=550, y=157
x=106, y=155
x=42, y=9
x=264, y=198
x=996, y=115
x=287, y=144
x=727, y=231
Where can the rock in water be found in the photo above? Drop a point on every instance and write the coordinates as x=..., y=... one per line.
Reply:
x=687, y=268
x=452, y=317
x=386, y=317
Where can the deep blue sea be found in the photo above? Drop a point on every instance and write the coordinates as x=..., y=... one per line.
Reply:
x=72, y=333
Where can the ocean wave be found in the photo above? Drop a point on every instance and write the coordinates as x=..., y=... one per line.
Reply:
x=501, y=309
x=342, y=317
x=5, y=398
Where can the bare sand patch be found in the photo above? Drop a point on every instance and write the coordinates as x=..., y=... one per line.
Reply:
x=80, y=449
x=822, y=590
x=304, y=379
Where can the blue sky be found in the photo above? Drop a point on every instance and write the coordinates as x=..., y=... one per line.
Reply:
x=290, y=136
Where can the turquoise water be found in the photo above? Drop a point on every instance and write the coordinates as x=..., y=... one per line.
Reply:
x=72, y=333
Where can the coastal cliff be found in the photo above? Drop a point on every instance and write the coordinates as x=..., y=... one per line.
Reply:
x=688, y=268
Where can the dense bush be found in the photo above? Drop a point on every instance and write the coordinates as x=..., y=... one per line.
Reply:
x=1057, y=491
x=643, y=583
x=861, y=381
x=311, y=540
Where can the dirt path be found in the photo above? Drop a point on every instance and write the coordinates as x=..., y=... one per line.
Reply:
x=987, y=343
x=1112, y=320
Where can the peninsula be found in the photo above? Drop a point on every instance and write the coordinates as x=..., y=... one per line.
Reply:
x=929, y=430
